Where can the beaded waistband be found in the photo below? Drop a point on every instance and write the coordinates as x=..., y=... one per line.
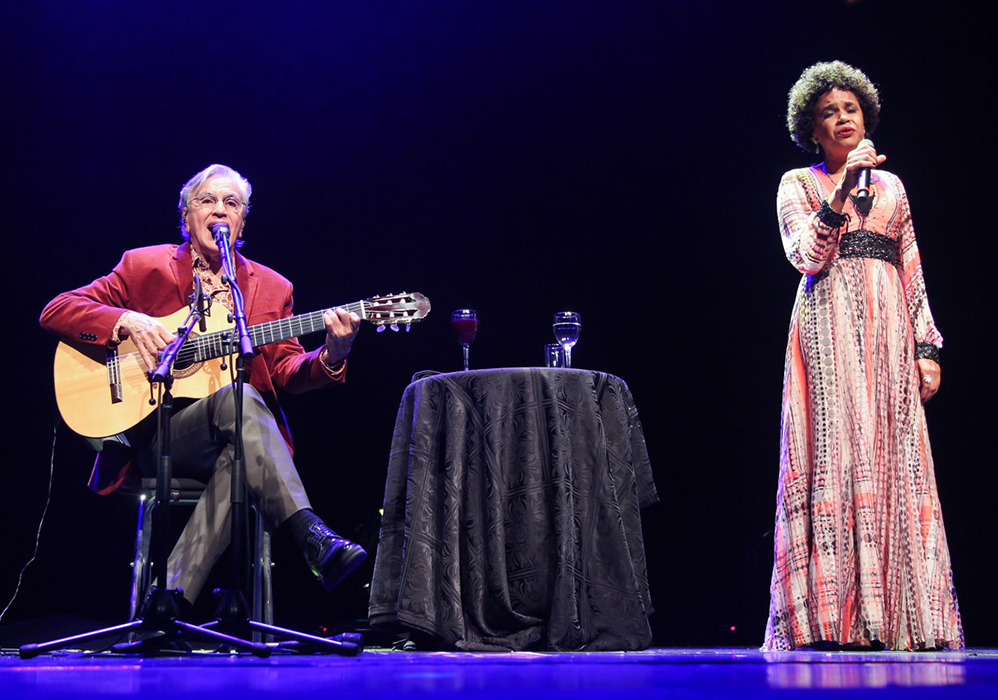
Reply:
x=867, y=244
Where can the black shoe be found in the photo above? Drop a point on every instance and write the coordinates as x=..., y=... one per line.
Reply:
x=331, y=557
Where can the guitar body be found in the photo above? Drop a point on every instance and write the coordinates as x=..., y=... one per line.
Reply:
x=103, y=392
x=97, y=401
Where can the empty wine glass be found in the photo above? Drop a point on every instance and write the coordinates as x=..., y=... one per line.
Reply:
x=567, y=327
x=465, y=324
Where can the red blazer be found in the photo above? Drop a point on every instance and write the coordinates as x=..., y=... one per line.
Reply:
x=158, y=281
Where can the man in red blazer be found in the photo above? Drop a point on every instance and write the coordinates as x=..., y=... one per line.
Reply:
x=157, y=281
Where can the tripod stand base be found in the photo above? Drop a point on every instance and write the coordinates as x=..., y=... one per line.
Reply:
x=160, y=613
x=233, y=616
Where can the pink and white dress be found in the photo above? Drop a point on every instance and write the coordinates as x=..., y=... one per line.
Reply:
x=860, y=548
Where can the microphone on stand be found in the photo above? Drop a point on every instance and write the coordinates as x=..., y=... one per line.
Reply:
x=221, y=233
x=862, y=187
x=202, y=307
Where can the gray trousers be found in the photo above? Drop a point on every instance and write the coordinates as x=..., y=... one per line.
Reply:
x=202, y=447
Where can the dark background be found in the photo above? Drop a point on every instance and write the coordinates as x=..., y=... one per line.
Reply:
x=611, y=157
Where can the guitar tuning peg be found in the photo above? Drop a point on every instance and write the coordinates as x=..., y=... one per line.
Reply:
x=394, y=327
x=381, y=329
x=408, y=327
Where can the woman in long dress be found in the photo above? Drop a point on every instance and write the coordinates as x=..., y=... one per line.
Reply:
x=861, y=558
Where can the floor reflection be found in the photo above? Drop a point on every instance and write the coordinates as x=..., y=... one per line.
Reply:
x=728, y=673
x=864, y=674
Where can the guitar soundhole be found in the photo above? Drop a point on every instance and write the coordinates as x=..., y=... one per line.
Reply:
x=182, y=370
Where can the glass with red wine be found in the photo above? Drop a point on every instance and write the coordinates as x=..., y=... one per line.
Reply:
x=465, y=324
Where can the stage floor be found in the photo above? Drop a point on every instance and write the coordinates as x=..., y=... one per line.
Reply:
x=671, y=673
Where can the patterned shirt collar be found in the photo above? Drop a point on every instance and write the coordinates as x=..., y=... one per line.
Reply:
x=217, y=291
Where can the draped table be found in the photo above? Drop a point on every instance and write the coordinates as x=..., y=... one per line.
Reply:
x=512, y=513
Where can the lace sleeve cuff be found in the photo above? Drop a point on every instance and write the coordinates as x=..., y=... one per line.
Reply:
x=829, y=217
x=927, y=351
x=115, y=338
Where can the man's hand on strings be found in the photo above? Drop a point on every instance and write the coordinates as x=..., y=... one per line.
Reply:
x=149, y=335
x=341, y=329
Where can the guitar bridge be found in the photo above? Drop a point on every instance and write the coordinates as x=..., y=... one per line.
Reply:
x=114, y=375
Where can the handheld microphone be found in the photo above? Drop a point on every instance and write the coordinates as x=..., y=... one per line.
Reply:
x=863, y=186
x=221, y=233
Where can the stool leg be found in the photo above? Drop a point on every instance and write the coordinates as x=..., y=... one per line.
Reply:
x=268, y=580
x=257, y=604
x=263, y=601
x=140, y=563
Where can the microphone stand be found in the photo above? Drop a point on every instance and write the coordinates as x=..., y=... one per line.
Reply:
x=232, y=611
x=161, y=607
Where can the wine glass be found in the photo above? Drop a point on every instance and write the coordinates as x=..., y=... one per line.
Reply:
x=567, y=327
x=465, y=324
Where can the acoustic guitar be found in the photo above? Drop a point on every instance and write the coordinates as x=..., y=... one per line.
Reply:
x=104, y=391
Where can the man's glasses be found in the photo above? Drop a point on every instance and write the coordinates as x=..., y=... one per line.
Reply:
x=210, y=201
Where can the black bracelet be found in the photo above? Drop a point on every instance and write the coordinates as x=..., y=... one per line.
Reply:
x=927, y=351
x=829, y=217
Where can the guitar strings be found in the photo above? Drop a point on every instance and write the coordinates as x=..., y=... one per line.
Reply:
x=200, y=347
x=125, y=364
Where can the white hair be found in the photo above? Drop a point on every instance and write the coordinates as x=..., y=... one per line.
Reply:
x=192, y=186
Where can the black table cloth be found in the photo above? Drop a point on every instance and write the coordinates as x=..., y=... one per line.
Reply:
x=512, y=513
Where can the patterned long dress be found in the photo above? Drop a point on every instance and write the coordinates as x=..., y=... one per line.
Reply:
x=860, y=548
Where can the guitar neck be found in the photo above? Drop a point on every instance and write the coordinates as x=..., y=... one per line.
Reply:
x=211, y=345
